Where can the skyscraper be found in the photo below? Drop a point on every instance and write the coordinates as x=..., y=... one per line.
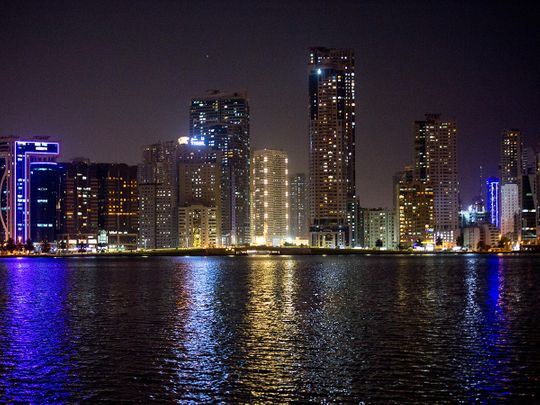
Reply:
x=269, y=197
x=435, y=163
x=510, y=211
x=298, y=219
x=16, y=159
x=416, y=210
x=332, y=147
x=528, y=208
x=221, y=121
x=44, y=192
x=158, y=193
x=511, y=168
x=78, y=203
x=118, y=204
x=511, y=157
x=199, y=180
x=493, y=200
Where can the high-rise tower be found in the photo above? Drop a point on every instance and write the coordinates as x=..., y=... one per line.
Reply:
x=435, y=163
x=331, y=147
x=511, y=155
x=269, y=197
x=298, y=220
x=158, y=196
x=221, y=121
x=511, y=167
x=17, y=156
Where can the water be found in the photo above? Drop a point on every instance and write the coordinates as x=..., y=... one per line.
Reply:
x=270, y=329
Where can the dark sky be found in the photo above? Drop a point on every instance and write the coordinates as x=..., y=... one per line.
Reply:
x=106, y=78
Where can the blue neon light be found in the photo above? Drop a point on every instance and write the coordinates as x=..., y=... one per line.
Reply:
x=24, y=150
x=494, y=200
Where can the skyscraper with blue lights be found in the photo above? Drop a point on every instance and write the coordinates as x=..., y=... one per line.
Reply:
x=16, y=159
x=493, y=203
x=44, y=190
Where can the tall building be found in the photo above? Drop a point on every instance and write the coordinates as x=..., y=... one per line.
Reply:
x=298, y=220
x=511, y=157
x=377, y=230
x=529, y=204
x=44, y=192
x=118, y=204
x=332, y=147
x=221, y=121
x=158, y=193
x=269, y=197
x=199, y=180
x=78, y=203
x=493, y=200
x=416, y=211
x=510, y=211
x=16, y=159
x=511, y=169
x=435, y=163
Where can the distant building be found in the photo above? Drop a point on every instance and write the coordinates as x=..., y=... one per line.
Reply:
x=471, y=238
x=435, y=148
x=510, y=211
x=299, y=213
x=416, y=211
x=529, y=205
x=17, y=156
x=199, y=174
x=158, y=191
x=78, y=223
x=511, y=169
x=44, y=192
x=118, y=204
x=269, y=197
x=377, y=229
x=480, y=237
x=221, y=121
x=493, y=200
x=511, y=164
x=332, y=178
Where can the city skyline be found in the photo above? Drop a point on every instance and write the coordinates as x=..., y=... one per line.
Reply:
x=470, y=70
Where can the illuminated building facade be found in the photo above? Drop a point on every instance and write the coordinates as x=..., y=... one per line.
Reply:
x=44, y=192
x=118, y=204
x=510, y=173
x=511, y=157
x=510, y=211
x=221, y=121
x=493, y=194
x=332, y=178
x=416, y=211
x=158, y=192
x=78, y=203
x=377, y=228
x=298, y=220
x=16, y=159
x=435, y=163
x=199, y=181
x=269, y=197
x=528, y=208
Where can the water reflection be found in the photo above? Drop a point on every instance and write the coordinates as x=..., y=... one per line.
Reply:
x=36, y=349
x=270, y=329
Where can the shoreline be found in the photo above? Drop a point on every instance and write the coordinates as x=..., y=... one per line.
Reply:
x=261, y=251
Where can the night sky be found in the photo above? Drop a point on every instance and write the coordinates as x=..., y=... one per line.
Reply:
x=107, y=78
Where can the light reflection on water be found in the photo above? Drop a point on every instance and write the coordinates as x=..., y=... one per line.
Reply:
x=379, y=328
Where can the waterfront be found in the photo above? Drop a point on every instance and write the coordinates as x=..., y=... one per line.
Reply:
x=430, y=328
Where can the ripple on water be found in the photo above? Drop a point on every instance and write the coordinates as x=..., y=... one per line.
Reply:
x=270, y=329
